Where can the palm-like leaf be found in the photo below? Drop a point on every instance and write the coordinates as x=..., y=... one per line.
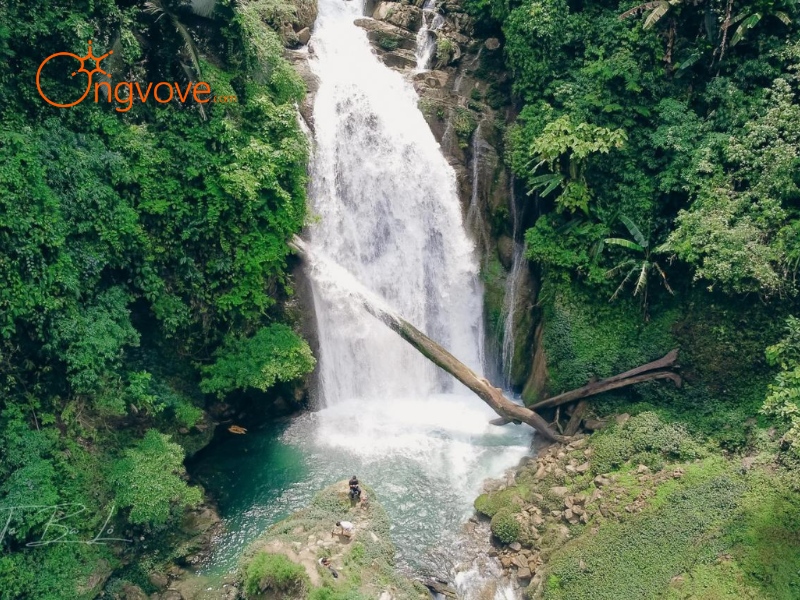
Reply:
x=624, y=243
x=635, y=231
x=622, y=285
x=744, y=27
x=663, y=277
x=642, y=281
x=546, y=183
x=656, y=14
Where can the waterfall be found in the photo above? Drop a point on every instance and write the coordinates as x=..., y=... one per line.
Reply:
x=426, y=40
x=389, y=214
x=512, y=289
x=387, y=217
x=475, y=221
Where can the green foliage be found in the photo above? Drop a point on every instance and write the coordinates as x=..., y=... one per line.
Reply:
x=640, y=269
x=645, y=438
x=491, y=503
x=130, y=243
x=587, y=337
x=783, y=399
x=273, y=354
x=273, y=573
x=563, y=148
x=388, y=43
x=505, y=526
x=464, y=124
x=149, y=481
x=713, y=533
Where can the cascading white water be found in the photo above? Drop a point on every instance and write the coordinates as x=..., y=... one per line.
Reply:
x=388, y=218
x=389, y=214
x=426, y=40
x=512, y=297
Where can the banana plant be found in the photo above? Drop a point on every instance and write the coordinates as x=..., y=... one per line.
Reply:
x=641, y=267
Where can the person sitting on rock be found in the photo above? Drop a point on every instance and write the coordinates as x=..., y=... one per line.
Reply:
x=326, y=562
x=355, y=490
x=346, y=528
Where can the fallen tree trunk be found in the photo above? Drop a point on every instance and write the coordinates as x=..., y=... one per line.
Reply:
x=446, y=361
x=646, y=372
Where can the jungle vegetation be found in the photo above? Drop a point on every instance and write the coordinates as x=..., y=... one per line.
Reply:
x=143, y=266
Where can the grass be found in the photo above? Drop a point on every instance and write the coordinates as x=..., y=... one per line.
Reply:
x=715, y=534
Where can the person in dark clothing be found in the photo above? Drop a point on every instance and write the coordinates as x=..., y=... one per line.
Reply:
x=355, y=489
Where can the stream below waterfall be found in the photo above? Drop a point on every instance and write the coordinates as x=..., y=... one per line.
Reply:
x=388, y=219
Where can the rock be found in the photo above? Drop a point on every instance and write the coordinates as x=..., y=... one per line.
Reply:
x=568, y=514
x=524, y=574
x=642, y=469
x=385, y=595
x=584, y=518
x=506, y=561
x=541, y=473
x=537, y=497
x=158, y=580
x=515, y=546
x=132, y=592
x=577, y=509
x=492, y=44
x=505, y=251
x=622, y=419
x=537, y=521
x=601, y=481
x=583, y=468
x=594, y=424
x=304, y=35
x=559, y=491
x=402, y=15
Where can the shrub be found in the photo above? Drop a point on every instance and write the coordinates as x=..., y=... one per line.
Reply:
x=647, y=438
x=273, y=572
x=505, y=526
x=488, y=504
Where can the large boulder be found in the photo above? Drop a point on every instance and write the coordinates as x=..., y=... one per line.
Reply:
x=405, y=16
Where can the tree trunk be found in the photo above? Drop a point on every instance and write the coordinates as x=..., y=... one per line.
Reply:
x=651, y=370
x=446, y=361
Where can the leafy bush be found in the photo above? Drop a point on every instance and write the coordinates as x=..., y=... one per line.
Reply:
x=273, y=354
x=505, y=526
x=491, y=502
x=275, y=573
x=388, y=43
x=149, y=480
x=646, y=438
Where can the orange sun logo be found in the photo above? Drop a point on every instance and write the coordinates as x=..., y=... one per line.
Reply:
x=82, y=69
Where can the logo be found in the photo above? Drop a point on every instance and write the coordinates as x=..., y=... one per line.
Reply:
x=123, y=92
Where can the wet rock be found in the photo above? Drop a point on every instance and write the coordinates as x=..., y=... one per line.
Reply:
x=492, y=44
x=524, y=574
x=304, y=35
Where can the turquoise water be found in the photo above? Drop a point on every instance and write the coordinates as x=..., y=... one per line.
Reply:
x=425, y=472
